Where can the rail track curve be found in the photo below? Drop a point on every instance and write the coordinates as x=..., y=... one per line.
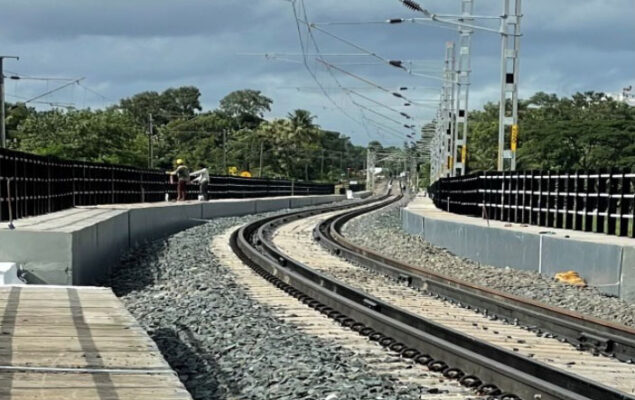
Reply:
x=491, y=369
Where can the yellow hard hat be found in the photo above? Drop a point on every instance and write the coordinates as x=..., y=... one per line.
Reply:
x=179, y=161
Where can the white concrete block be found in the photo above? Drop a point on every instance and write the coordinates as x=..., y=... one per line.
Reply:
x=9, y=274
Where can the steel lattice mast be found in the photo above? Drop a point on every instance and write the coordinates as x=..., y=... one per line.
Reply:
x=508, y=113
x=460, y=129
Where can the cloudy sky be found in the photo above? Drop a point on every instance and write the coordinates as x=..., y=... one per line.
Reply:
x=123, y=47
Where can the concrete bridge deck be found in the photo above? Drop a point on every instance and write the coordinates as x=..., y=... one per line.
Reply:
x=604, y=261
x=60, y=343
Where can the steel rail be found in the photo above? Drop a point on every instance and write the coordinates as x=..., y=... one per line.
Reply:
x=475, y=363
x=584, y=332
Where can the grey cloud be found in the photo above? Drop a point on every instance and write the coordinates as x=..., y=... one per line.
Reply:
x=125, y=47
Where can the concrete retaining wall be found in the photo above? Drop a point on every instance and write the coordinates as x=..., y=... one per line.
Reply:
x=609, y=267
x=79, y=246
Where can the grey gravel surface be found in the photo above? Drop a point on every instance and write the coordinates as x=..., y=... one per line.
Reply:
x=223, y=344
x=382, y=231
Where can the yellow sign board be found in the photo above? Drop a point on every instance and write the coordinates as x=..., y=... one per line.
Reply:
x=514, y=138
x=463, y=155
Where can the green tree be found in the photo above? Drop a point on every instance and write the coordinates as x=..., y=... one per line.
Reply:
x=99, y=136
x=173, y=103
x=198, y=140
x=586, y=131
x=247, y=107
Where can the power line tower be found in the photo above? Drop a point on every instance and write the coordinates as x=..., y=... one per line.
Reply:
x=441, y=159
x=508, y=113
x=464, y=68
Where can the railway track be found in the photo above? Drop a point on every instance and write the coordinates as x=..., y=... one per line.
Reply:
x=380, y=361
x=478, y=349
x=597, y=336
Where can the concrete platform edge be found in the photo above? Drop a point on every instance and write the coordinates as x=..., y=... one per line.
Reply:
x=84, y=256
x=610, y=268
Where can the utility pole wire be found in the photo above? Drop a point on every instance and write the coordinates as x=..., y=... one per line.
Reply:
x=373, y=101
x=94, y=92
x=391, y=130
x=368, y=82
x=308, y=68
x=315, y=45
x=55, y=89
x=379, y=114
x=393, y=63
x=330, y=72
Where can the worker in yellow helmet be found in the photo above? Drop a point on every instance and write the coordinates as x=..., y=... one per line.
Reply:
x=182, y=172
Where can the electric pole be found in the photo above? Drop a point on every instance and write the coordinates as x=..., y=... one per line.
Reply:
x=150, y=144
x=3, y=133
x=225, y=151
x=441, y=151
x=260, y=165
x=510, y=47
x=459, y=148
x=322, y=164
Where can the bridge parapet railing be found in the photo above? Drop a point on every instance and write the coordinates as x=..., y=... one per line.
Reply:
x=32, y=185
x=601, y=201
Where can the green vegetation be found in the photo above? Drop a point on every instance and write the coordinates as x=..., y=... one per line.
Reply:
x=587, y=131
x=234, y=135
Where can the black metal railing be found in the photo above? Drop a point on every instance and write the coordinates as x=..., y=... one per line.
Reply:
x=592, y=201
x=33, y=185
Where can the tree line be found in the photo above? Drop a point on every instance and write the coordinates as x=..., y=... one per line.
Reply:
x=589, y=130
x=234, y=136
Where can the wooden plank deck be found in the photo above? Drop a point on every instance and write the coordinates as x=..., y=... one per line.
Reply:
x=77, y=343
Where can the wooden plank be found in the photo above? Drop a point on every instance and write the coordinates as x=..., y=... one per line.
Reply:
x=66, y=344
x=63, y=303
x=71, y=328
x=67, y=320
x=61, y=292
x=94, y=394
x=66, y=331
x=26, y=380
x=106, y=359
x=88, y=312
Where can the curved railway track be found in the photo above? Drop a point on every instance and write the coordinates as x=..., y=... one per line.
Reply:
x=476, y=362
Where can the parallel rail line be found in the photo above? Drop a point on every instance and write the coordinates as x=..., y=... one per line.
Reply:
x=584, y=332
x=476, y=363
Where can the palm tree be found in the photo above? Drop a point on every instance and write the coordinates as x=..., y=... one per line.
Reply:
x=302, y=119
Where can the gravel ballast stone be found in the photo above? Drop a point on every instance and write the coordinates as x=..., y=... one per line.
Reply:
x=222, y=343
x=382, y=232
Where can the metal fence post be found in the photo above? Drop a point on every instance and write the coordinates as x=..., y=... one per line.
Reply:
x=599, y=203
x=611, y=208
x=623, y=204
x=48, y=183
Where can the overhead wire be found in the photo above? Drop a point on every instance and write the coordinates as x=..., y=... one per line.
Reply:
x=393, y=63
x=378, y=114
x=330, y=67
x=317, y=49
x=308, y=68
